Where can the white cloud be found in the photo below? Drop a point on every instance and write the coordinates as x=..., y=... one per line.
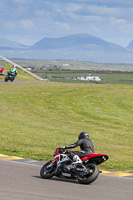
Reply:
x=21, y=1
x=40, y=13
x=63, y=25
x=98, y=10
x=11, y=24
x=21, y=24
x=91, y=19
x=27, y=24
x=118, y=21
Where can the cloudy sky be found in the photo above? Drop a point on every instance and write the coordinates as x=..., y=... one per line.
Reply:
x=28, y=21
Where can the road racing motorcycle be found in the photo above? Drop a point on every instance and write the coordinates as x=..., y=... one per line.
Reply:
x=62, y=166
x=10, y=76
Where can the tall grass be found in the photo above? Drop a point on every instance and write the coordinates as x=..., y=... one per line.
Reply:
x=36, y=118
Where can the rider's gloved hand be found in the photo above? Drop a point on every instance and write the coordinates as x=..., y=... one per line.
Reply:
x=62, y=149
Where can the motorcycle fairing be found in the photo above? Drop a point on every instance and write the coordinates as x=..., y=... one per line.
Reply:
x=96, y=158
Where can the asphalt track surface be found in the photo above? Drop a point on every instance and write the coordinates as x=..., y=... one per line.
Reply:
x=22, y=181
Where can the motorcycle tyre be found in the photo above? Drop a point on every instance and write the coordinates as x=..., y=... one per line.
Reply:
x=12, y=79
x=6, y=78
x=92, y=177
x=47, y=176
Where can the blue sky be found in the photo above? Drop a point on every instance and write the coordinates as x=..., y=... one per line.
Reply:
x=28, y=21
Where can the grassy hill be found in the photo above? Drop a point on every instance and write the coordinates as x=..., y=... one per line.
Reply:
x=21, y=75
x=37, y=118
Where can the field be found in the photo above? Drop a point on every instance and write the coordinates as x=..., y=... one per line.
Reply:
x=108, y=77
x=75, y=65
x=38, y=117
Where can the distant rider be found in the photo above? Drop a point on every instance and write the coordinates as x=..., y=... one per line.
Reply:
x=86, y=146
x=13, y=71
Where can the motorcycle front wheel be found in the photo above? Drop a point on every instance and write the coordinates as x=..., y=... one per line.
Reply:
x=47, y=171
x=91, y=175
x=6, y=78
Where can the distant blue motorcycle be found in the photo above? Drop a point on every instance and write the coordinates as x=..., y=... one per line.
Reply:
x=10, y=76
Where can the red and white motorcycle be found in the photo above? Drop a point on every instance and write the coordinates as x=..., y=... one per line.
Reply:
x=62, y=166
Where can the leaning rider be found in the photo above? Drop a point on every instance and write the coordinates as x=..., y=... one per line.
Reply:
x=86, y=146
x=13, y=71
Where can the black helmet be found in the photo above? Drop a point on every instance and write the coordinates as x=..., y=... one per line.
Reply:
x=83, y=135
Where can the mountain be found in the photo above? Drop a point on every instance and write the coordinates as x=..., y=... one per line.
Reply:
x=78, y=47
x=74, y=41
x=7, y=44
x=130, y=46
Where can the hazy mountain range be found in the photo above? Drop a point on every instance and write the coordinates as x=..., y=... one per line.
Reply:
x=82, y=47
x=7, y=44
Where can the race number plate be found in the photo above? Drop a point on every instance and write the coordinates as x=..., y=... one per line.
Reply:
x=66, y=174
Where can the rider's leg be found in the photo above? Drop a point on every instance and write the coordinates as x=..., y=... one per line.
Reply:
x=15, y=74
x=9, y=73
x=75, y=157
x=77, y=160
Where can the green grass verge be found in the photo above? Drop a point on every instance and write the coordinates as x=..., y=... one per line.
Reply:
x=37, y=118
x=22, y=76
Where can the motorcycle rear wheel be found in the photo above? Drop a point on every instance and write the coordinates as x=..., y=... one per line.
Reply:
x=12, y=79
x=47, y=172
x=91, y=176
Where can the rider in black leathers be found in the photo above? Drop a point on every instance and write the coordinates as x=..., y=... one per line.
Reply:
x=86, y=146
